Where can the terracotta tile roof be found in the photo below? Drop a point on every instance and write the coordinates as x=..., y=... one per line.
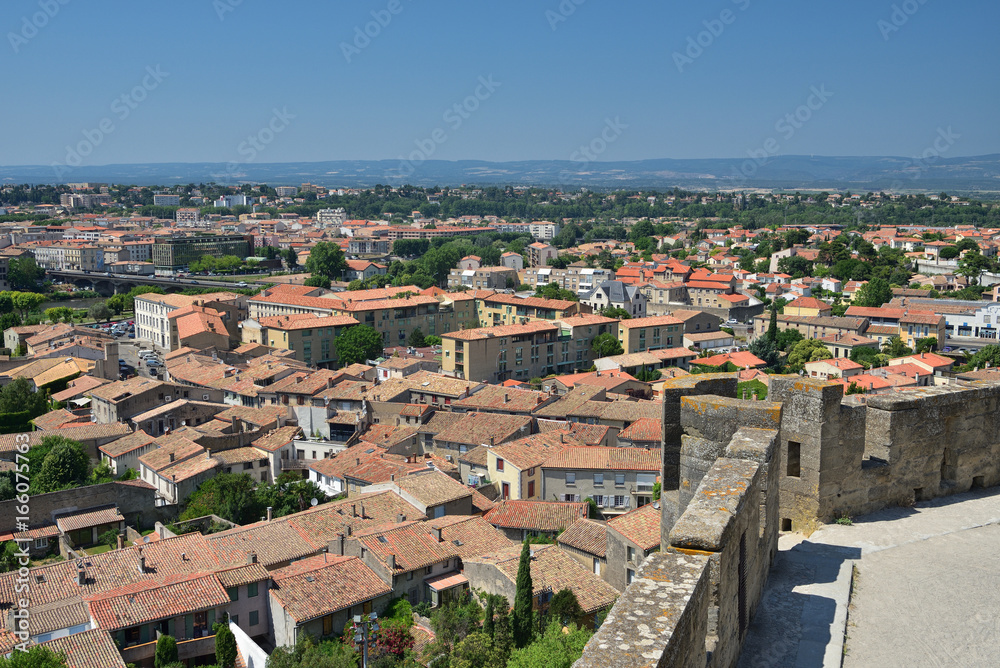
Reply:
x=126, y=388
x=325, y=584
x=469, y=535
x=930, y=359
x=884, y=330
x=90, y=649
x=841, y=363
x=410, y=543
x=607, y=459
x=91, y=517
x=535, y=515
x=277, y=438
x=503, y=330
x=586, y=434
x=652, y=321
x=643, y=429
x=435, y=383
x=56, y=419
x=321, y=524
x=505, y=399
x=237, y=456
x=585, y=319
x=86, y=432
x=144, y=602
x=170, y=450
x=242, y=575
x=79, y=386
x=432, y=488
x=273, y=542
x=480, y=503
x=587, y=535
x=126, y=444
x=606, y=379
x=57, y=616
x=741, y=359
x=531, y=451
x=479, y=428
x=641, y=526
x=553, y=570
x=809, y=302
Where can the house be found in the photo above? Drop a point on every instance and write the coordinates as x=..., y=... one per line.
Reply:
x=586, y=540
x=835, y=367
x=539, y=253
x=474, y=429
x=808, y=306
x=362, y=270
x=934, y=364
x=652, y=333
x=631, y=538
x=842, y=345
x=320, y=595
x=431, y=492
x=615, y=294
x=513, y=466
x=520, y=519
x=552, y=570
x=616, y=478
x=741, y=360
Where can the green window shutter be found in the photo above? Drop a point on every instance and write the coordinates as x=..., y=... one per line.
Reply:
x=171, y=624
x=211, y=620
x=144, y=633
x=189, y=626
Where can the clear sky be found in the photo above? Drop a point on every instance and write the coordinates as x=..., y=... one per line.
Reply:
x=201, y=76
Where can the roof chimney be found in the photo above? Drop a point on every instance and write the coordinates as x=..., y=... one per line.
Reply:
x=437, y=534
x=251, y=558
x=354, y=507
x=391, y=562
x=269, y=513
x=400, y=517
x=81, y=575
x=142, y=563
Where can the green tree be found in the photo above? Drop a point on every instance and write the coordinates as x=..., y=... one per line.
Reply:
x=59, y=314
x=649, y=375
x=616, y=312
x=474, y=651
x=564, y=608
x=925, y=345
x=417, y=339
x=503, y=640
x=225, y=645
x=37, y=656
x=9, y=561
x=766, y=351
x=307, y=654
x=522, y=621
x=894, y=347
x=317, y=281
x=432, y=340
x=233, y=496
x=454, y=620
x=117, y=303
x=137, y=291
x=868, y=357
x=772, y=327
x=27, y=302
x=66, y=465
x=489, y=623
x=290, y=257
x=874, y=293
x=19, y=395
x=24, y=273
x=358, y=344
x=166, y=652
x=100, y=311
x=606, y=345
x=554, y=649
x=326, y=259
x=809, y=350
x=788, y=338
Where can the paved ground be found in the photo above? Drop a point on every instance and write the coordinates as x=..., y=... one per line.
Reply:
x=927, y=591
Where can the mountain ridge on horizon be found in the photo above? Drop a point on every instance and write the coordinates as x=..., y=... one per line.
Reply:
x=805, y=172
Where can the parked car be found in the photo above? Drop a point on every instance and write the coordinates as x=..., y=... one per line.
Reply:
x=153, y=363
x=241, y=284
x=194, y=282
x=947, y=349
x=732, y=321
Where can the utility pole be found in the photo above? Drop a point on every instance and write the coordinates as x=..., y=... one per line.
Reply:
x=365, y=627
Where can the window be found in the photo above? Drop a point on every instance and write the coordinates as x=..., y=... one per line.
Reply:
x=531, y=488
x=252, y=590
x=409, y=576
x=531, y=471
x=598, y=480
x=236, y=620
x=619, y=480
x=247, y=466
x=254, y=618
x=234, y=593
x=629, y=575
x=41, y=543
x=428, y=570
x=327, y=624
x=793, y=468
x=631, y=554
x=438, y=511
x=570, y=478
x=499, y=464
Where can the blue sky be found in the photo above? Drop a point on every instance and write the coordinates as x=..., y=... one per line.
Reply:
x=559, y=71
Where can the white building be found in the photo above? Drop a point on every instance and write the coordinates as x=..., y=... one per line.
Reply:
x=163, y=199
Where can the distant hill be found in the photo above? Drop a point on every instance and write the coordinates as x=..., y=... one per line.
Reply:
x=973, y=175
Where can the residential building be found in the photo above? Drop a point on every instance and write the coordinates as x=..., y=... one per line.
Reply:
x=578, y=279
x=500, y=309
x=490, y=278
x=164, y=199
x=835, y=367
x=362, y=270
x=539, y=253
x=368, y=245
x=187, y=217
x=617, y=479
x=579, y=332
x=521, y=519
x=653, y=333
x=494, y=354
x=631, y=538
x=152, y=315
x=615, y=294
x=586, y=540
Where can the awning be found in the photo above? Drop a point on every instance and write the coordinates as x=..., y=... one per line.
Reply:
x=446, y=581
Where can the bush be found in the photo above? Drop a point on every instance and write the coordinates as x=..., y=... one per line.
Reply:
x=399, y=610
x=109, y=538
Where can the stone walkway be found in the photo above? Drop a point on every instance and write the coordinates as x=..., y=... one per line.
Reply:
x=927, y=590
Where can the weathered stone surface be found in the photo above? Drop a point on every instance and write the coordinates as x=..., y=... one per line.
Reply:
x=706, y=522
x=659, y=621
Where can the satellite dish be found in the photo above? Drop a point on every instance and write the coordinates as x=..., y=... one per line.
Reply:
x=313, y=502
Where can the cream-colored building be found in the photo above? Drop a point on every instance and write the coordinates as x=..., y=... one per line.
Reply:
x=496, y=354
x=653, y=333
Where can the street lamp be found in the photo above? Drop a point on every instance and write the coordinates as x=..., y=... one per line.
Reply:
x=365, y=628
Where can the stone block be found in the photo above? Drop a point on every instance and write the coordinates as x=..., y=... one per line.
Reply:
x=723, y=491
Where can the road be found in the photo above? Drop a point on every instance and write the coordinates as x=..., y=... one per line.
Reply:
x=128, y=352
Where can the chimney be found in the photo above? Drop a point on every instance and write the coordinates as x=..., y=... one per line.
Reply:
x=357, y=462
x=121, y=542
x=142, y=562
x=354, y=507
x=391, y=562
x=400, y=517
x=171, y=456
x=362, y=511
x=269, y=513
x=81, y=575
x=392, y=477
x=506, y=397
x=251, y=558
x=349, y=530
x=437, y=535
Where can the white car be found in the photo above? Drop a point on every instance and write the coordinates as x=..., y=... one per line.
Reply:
x=241, y=284
x=732, y=321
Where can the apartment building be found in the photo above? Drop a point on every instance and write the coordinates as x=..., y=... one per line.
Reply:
x=286, y=191
x=576, y=279
x=187, y=216
x=491, y=278
x=617, y=478
x=368, y=246
x=152, y=314
x=166, y=199
x=495, y=354
x=68, y=256
x=509, y=310
x=579, y=331
x=170, y=255
x=543, y=230
x=331, y=216
x=540, y=253
x=309, y=337
x=653, y=333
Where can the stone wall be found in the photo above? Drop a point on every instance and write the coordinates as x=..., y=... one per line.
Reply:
x=690, y=605
x=134, y=501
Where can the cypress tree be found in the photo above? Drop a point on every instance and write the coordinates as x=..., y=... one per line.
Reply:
x=488, y=624
x=772, y=329
x=521, y=620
